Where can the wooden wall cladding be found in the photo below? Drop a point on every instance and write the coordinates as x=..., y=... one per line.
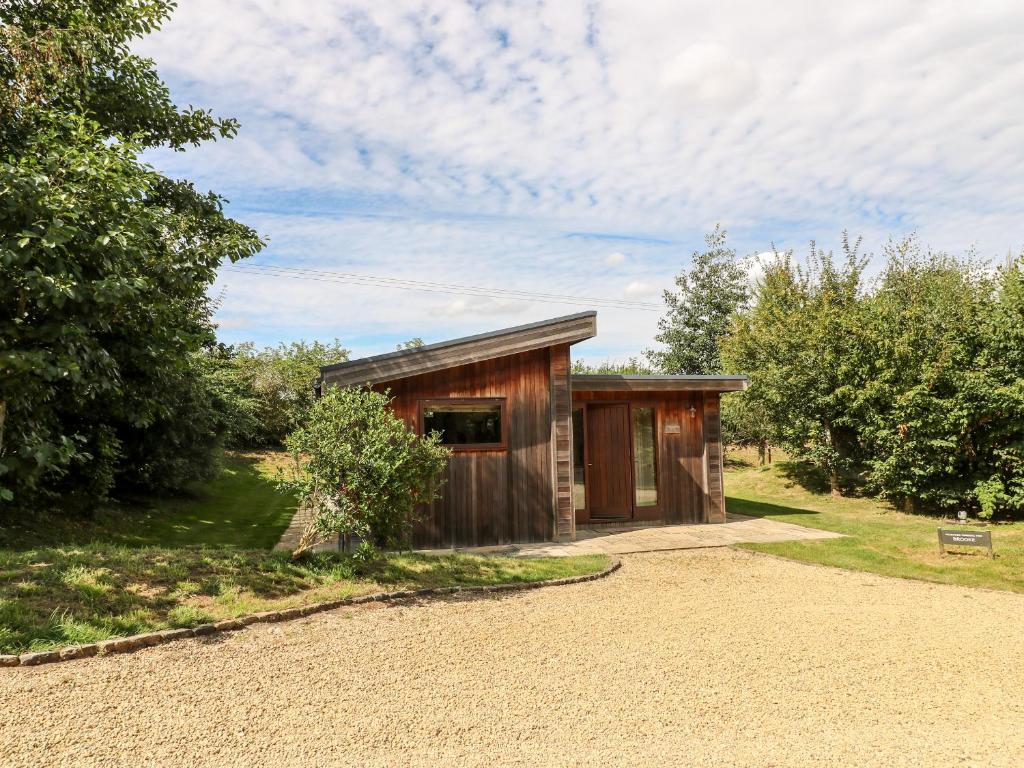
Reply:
x=681, y=469
x=561, y=435
x=492, y=496
x=713, y=437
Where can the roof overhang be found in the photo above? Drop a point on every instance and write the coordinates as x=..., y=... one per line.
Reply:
x=617, y=383
x=470, y=349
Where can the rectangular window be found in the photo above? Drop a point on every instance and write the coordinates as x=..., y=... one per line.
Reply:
x=466, y=423
x=644, y=458
x=579, y=493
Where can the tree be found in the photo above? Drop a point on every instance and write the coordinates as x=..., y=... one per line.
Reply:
x=1001, y=441
x=700, y=310
x=943, y=401
x=800, y=345
x=275, y=387
x=360, y=471
x=104, y=263
x=744, y=422
x=632, y=367
x=911, y=386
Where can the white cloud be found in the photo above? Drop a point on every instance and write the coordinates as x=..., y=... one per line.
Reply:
x=641, y=290
x=234, y=322
x=755, y=266
x=283, y=305
x=468, y=140
x=483, y=307
x=614, y=259
x=709, y=74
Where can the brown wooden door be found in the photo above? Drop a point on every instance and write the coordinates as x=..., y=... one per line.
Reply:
x=609, y=472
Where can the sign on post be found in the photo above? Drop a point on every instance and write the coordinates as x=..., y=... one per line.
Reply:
x=965, y=539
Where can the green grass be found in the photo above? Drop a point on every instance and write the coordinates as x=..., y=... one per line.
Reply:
x=879, y=539
x=57, y=596
x=186, y=561
x=240, y=508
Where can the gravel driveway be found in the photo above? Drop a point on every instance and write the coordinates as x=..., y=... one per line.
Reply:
x=706, y=657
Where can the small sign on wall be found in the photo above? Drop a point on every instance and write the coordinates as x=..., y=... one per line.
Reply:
x=672, y=429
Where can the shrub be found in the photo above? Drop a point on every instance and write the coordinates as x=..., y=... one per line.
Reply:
x=360, y=471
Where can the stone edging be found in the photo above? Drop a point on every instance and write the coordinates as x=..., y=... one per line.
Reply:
x=135, y=642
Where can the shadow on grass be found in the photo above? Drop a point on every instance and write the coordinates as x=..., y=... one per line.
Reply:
x=241, y=508
x=763, y=508
x=804, y=474
x=814, y=480
x=732, y=461
x=57, y=596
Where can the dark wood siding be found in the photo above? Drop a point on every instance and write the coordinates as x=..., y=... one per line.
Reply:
x=680, y=456
x=493, y=496
x=713, y=446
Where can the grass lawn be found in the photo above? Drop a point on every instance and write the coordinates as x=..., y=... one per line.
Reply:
x=182, y=562
x=240, y=508
x=878, y=539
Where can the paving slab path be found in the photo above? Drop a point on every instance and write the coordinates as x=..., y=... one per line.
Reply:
x=630, y=539
x=706, y=657
x=738, y=529
x=620, y=540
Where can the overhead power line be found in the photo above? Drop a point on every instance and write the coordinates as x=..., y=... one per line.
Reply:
x=450, y=288
x=330, y=276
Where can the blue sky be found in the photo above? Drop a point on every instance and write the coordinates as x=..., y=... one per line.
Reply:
x=583, y=147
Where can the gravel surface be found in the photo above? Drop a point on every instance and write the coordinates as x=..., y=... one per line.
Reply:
x=707, y=657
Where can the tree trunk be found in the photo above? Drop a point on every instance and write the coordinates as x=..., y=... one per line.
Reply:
x=762, y=450
x=833, y=483
x=837, y=453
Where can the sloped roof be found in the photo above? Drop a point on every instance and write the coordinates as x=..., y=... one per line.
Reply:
x=618, y=383
x=569, y=329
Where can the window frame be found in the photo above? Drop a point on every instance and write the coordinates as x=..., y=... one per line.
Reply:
x=582, y=408
x=501, y=402
x=655, y=424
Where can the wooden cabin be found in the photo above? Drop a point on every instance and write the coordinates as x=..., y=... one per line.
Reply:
x=537, y=452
